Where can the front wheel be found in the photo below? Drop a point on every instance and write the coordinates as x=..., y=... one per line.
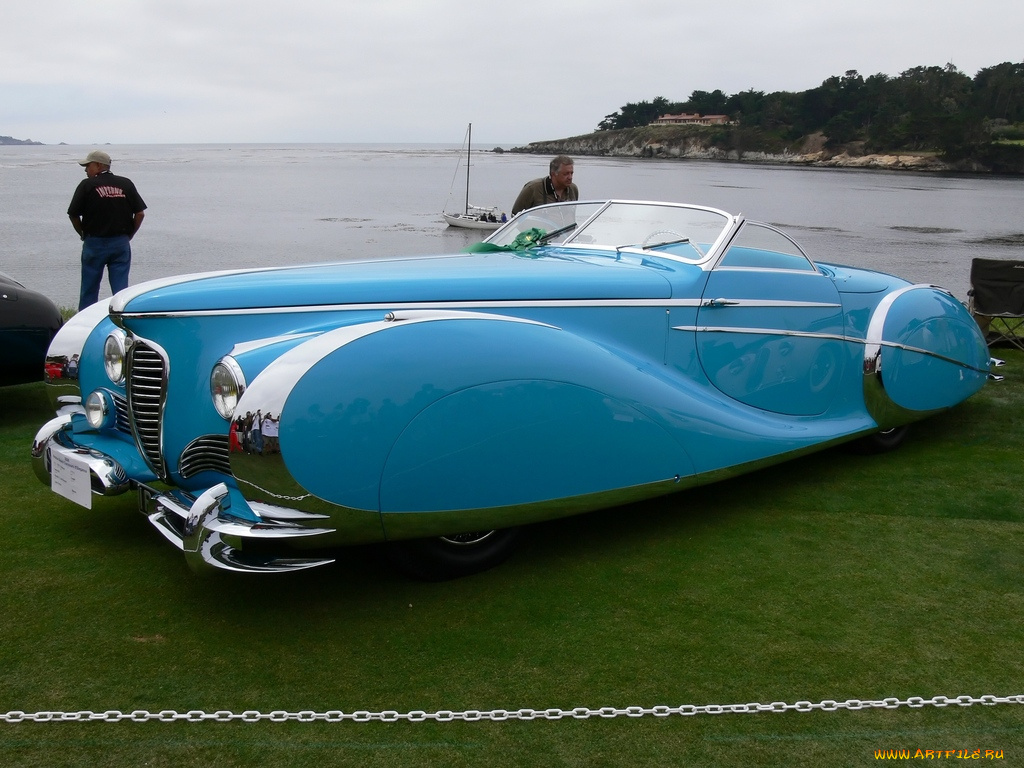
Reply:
x=451, y=557
x=880, y=442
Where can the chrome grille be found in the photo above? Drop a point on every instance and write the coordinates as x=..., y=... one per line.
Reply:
x=122, y=422
x=147, y=377
x=205, y=453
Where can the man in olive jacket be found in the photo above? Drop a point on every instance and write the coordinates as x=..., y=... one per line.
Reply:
x=556, y=187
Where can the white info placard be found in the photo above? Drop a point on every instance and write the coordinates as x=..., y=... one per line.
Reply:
x=69, y=477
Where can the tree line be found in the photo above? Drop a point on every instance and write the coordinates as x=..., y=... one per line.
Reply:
x=923, y=109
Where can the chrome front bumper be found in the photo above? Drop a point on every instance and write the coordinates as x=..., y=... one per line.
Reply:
x=108, y=476
x=211, y=538
x=203, y=527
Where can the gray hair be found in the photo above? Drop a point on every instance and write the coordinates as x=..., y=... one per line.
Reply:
x=558, y=162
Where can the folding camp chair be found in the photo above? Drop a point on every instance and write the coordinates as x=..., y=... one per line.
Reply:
x=996, y=300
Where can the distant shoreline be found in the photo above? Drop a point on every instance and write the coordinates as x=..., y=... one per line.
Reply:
x=692, y=143
x=11, y=141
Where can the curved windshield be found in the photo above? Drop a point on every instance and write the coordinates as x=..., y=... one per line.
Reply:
x=760, y=246
x=556, y=223
x=677, y=230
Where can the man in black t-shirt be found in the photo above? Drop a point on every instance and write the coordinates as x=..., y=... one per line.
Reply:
x=106, y=212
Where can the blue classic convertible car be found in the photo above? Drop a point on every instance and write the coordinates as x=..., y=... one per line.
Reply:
x=585, y=355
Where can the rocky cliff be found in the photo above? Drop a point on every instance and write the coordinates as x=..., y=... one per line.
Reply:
x=732, y=144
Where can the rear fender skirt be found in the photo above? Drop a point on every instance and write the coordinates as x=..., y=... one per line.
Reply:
x=923, y=353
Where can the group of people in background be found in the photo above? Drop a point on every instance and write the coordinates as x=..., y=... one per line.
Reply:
x=107, y=210
x=254, y=433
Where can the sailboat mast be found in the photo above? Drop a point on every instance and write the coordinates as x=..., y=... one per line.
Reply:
x=469, y=150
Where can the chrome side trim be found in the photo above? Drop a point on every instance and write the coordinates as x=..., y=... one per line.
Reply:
x=425, y=306
x=769, y=303
x=870, y=359
x=811, y=270
x=764, y=332
x=433, y=306
x=810, y=335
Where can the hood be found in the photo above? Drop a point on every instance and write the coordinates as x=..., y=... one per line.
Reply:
x=7, y=280
x=857, y=280
x=541, y=274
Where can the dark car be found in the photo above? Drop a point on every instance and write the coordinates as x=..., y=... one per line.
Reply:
x=28, y=322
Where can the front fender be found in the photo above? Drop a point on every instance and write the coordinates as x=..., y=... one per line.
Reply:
x=461, y=411
x=80, y=338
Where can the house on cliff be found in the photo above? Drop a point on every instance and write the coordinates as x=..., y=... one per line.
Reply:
x=686, y=119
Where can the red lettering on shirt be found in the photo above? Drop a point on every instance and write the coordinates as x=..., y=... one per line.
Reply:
x=110, y=192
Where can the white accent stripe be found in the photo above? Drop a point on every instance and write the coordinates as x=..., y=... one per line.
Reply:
x=272, y=386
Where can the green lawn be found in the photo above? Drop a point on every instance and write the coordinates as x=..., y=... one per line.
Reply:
x=834, y=577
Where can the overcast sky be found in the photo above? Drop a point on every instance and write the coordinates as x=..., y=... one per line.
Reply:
x=169, y=71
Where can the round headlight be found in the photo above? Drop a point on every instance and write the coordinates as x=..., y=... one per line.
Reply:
x=99, y=410
x=227, y=383
x=113, y=357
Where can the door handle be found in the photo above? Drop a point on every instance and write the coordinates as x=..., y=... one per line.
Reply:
x=720, y=302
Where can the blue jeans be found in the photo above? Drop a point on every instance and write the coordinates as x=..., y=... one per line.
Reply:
x=114, y=253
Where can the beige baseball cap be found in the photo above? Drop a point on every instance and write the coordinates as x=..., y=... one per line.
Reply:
x=96, y=156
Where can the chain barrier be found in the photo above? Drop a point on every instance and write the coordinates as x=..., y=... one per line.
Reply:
x=474, y=715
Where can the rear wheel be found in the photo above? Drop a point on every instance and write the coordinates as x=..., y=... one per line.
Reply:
x=450, y=557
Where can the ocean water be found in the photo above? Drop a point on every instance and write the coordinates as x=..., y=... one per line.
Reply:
x=228, y=206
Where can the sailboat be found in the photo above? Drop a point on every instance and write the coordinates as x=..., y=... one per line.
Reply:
x=474, y=216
